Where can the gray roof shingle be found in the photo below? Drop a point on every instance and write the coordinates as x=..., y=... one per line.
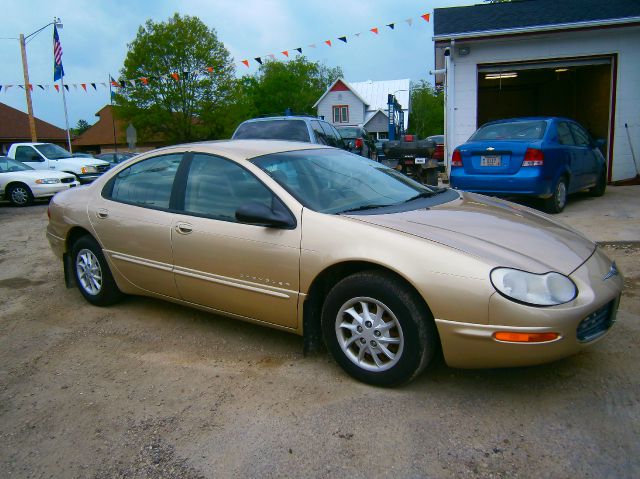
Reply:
x=529, y=13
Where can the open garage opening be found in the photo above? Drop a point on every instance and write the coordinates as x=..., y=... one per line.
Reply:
x=580, y=89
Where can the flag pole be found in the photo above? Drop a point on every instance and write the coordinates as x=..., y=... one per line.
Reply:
x=113, y=118
x=66, y=114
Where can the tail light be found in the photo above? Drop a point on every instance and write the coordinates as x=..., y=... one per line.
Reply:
x=358, y=142
x=533, y=157
x=456, y=158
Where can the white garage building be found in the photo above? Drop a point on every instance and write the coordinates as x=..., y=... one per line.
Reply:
x=573, y=58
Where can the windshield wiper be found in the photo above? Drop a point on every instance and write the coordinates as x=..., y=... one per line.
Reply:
x=363, y=208
x=426, y=194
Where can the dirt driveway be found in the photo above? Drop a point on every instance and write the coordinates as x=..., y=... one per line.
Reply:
x=150, y=389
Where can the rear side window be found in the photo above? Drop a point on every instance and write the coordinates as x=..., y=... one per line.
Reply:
x=517, y=130
x=147, y=183
x=292, y=130
x=321, y=136
x=564, y=134
x=349, y=133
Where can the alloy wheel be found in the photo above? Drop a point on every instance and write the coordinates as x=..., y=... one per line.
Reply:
x=89, y=271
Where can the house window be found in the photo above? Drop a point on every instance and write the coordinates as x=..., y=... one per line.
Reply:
x=341, y=114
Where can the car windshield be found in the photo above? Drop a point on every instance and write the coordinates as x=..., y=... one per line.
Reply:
x=293, y=130
x=51, y=151
x=515, y=130
x=349, y=132
x=7, y=165
x=334, y=181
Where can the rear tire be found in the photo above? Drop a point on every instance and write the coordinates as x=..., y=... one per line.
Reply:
x=92, y=273
x=601, y=185
x=20, y=194
x=558, y=200
x=377, y=329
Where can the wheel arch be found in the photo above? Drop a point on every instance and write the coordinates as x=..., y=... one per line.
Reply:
x=322, y=284
x=73, y=235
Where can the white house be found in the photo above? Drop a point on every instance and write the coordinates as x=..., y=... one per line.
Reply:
x=364, y=104
x=571, y=58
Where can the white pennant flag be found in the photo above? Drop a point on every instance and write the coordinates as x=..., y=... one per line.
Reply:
x=409, y=21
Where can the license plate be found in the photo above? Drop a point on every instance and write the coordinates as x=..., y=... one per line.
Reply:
x=491, y=160
x=421, y=161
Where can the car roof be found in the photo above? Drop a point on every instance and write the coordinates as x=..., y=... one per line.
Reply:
x=244, y=149
x=292, y=117
x=528, y=118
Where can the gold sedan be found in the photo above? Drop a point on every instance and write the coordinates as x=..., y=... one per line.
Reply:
x=335, y=247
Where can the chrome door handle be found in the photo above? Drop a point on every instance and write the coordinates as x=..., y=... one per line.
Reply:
x=102, y=213
x=184, y=228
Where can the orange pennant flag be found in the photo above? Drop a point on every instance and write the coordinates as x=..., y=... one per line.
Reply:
x=84, y=86
x=144, y=80
x=210, y=69
x=57, y=87
x=328, y=42
x=426, y=16
x=286, y=53
x=374, y=30
x=175, y=76
x=246, y=63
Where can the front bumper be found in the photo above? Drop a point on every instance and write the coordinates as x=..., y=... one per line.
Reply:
x=44, y=191
x=470, y=345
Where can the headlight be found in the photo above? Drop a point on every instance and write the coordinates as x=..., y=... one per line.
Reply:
x=535, y=289
x=89, y=169
x=48, y=181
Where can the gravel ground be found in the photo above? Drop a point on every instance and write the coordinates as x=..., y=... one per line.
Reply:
x=148, y=389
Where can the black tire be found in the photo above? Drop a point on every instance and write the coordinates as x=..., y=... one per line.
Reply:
x=20, y=194
x=558, y=200
x=401, y=325
x=83, y=255
x=601, y=185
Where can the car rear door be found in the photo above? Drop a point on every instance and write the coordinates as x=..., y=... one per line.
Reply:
x=242, y=269
x=133, y=221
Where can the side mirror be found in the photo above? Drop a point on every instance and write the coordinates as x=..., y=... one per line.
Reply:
x=261, y=215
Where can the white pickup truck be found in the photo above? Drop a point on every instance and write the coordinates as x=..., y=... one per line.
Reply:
x=47, y=156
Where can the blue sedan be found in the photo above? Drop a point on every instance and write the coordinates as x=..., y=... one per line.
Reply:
x=546, y=157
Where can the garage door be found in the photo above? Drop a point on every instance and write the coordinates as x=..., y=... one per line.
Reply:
x=578, y=88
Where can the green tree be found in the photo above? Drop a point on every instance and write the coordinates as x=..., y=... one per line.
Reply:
x=80, y=128
x=427, y=110
x=191, y=108
x=295, y=84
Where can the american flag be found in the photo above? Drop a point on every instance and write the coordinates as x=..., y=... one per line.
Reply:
x=58, y=71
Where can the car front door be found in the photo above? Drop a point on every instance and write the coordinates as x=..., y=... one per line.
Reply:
x=571, y=154
x=133, y=222
x=29, y=156
x=588, y=157
x=243, y=269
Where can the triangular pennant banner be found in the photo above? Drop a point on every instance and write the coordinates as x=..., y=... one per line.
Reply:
x=67, y=87
x=75, y=86
x=210, y=70
x=391, y=25
x=286, y=53
x=299, y=50
x=46, y=87
x=358, y=34
x=328, y=42
x=374, y=30
x=103, y=84
x=272, y=56
x=144, y=80
x=344, y=39
x=246, y=63
x=113, y=82
x=409, y=21
x=21, y=86
x=313, y=45
x=175, y=76
x=84, y=86
x=94, y=86
x=41, y=87
x=0, y=87
x=426, y=16
x=57, y=87
x=259, y=60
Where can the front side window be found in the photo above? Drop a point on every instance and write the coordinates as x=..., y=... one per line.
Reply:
x=147, y=183
x=581, y=136
x=217, y=187
x=564, y=134
x=341, y=114
x=26, y=153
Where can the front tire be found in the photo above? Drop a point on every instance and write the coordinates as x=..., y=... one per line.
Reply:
x=92, y=273
x=20, y=194
x=377, y=329
x=557, y=201
x=601, y=185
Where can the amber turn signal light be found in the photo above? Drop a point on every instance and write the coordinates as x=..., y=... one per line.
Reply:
x=525, y=337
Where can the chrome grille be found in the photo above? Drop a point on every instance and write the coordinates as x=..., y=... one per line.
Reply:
x=102, y=168
x=597, y=323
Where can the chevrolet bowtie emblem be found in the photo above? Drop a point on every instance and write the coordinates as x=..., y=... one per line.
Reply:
x=613, y=271
x=491, y=148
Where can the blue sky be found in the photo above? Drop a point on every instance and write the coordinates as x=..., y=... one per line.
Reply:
x=95, y=36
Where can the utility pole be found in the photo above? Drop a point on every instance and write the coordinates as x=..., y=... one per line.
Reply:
x=27, y=89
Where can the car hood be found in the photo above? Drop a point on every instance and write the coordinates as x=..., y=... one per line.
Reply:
x=87, y=161
x=36, y=174
x=501, y=232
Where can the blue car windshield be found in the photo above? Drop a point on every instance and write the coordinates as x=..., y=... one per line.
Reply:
x=515, y=130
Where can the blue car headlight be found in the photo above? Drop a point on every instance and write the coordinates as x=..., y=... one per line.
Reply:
x=547, y=289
